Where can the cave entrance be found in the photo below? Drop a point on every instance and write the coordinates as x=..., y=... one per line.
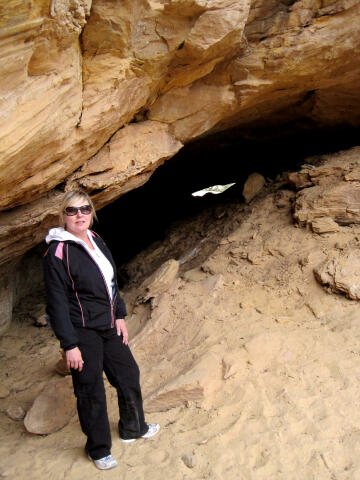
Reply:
x=142, y=216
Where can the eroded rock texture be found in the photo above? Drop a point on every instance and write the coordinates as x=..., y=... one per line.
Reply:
x=73, y=73
x=329, y=193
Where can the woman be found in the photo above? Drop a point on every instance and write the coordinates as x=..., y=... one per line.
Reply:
x=87, y=314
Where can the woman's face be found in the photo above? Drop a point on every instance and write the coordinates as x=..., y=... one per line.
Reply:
x=79, y=223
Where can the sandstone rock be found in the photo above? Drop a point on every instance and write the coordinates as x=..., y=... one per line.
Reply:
x=192, y=110
x=52, y=409
x=15, y=412
x=334, y=194
x=339, y=202
x=197, y=384
x=324, y=225
x=328, y=169
x=341, y=273
x=253, y=186
x=160, y=281
x=25, y=226
x=185, y=65
x=127, y=161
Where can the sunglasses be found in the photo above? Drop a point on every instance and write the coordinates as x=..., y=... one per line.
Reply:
x=84, y=209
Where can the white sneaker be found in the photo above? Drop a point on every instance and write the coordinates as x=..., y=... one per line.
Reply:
x=105, y=463
x=153, y=430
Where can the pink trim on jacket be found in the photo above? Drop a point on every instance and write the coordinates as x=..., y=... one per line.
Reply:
x=59, y=250
x=73, y=285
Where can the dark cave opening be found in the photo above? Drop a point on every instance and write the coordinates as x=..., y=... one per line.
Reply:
x=142, y=216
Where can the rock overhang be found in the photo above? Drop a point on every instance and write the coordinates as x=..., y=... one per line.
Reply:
x=177, y=71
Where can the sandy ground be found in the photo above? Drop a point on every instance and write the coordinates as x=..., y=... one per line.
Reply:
x=259, y=363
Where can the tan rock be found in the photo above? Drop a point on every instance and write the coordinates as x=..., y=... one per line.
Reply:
x=194, y=109
x=15, y=412
x=341, y=273
x=198, y=384
x=334, y=194
x=253, y=186
x=213, y=28
x=27, y=225
x=324, y=225
x=341, y=202
x=185, y=64
x=132, y=155
x=52, y=409
x=160, y=281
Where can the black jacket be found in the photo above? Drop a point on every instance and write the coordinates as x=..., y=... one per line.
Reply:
x=76, y=292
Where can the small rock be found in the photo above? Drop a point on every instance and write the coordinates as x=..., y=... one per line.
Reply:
x=61, y=368
x=15, y=412
x=4, y=392
x=283, y=319
x=324, y=225
x=253, y=186
x=41, y=321
x=189, y=460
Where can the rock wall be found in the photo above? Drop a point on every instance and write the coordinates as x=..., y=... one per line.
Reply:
x=98, y=94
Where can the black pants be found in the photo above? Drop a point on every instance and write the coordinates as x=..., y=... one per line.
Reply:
x=105, y=351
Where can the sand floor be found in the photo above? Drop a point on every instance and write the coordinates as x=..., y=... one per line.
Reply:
x=259, y=364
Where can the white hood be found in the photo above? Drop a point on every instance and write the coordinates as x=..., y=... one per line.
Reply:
x=61, y=235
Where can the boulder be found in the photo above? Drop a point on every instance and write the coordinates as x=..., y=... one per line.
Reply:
x=332, y=193
x=52, y=409
x=340, y=272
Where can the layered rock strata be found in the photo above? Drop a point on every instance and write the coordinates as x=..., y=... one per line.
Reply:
x=75, y=73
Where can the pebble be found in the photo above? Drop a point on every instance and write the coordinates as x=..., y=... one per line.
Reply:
x=41, y=321
x=15, y=412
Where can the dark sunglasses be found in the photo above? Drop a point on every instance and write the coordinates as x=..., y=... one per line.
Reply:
x=84, y=209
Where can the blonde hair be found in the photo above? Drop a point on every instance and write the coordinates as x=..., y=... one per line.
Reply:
x=73, y=197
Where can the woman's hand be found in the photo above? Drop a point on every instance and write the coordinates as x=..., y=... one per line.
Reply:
x=74, y=359
x=121, y=329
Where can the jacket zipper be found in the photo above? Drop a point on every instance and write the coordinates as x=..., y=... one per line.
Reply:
x=107, y=290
